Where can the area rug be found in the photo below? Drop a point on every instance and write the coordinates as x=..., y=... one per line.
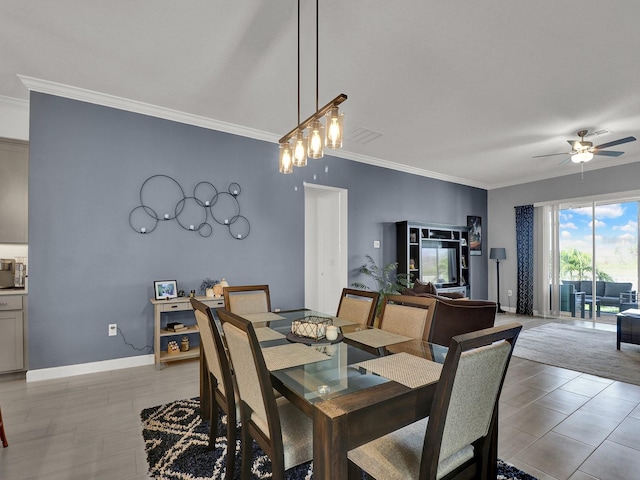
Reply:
x=176, y=445
x=581, y=349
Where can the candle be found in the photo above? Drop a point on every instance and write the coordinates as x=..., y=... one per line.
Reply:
x=190, y=227
x=239, y=236
x=166, y=216
x=206, y=203
x=143, y=230
x=235, y=192
x=226, y=221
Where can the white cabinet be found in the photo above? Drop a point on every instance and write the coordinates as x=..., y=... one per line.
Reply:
x=11, y=333
x=14, y=182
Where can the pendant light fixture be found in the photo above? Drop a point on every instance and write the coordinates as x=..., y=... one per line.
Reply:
x=313, y=143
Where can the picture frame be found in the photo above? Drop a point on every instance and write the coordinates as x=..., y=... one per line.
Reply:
x=165, y=289
x=475, y=234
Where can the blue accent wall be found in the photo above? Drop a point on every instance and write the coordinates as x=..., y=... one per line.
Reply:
x=88, y=268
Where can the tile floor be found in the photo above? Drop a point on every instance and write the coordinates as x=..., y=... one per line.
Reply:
x=554, y=423
x=560, y=424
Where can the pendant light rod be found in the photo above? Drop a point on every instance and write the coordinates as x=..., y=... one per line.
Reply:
x=317, y=52
x=298, y=63
x=318, y=114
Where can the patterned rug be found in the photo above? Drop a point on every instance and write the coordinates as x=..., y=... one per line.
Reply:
x=176, y=444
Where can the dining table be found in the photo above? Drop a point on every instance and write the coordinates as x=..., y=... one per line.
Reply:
x=362, y=385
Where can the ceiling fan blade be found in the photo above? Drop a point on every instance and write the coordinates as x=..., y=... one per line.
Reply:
x=550, y=155
x=616, y=142
x=608, y=153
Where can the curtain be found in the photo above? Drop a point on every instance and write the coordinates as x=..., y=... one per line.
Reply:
x=547, y=285
x=524, y=250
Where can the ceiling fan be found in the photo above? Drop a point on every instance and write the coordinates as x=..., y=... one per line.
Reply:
x=583, y=151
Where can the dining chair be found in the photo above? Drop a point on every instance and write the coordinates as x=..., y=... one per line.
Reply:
x=243, y=299
x=455, y=317
x=283, y=432
x=408, y=316
x=221, y=388
x=3, y=435
x=358, y=306
x=456, y=439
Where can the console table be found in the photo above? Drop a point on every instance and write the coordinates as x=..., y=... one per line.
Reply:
x=177, y=305
x=628, y=327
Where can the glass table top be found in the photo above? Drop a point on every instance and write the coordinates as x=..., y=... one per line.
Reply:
x=338, y=375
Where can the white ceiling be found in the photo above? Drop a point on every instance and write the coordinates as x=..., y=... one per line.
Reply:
x=459, y=90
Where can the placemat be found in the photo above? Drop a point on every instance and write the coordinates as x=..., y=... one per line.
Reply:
x=404, y=368
x=262, y=317
x=340, y=322
x=376, y=338
x=265, y=334
x=291, y=355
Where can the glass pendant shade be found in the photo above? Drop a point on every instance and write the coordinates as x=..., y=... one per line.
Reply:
x=286, y=160
x=334, y=128
x=582, y=157
x=300, y=150
x=316, y=140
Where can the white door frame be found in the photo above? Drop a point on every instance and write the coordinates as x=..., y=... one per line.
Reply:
x=326, y=246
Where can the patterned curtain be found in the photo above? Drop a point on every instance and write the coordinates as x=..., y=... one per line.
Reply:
x=524, y=249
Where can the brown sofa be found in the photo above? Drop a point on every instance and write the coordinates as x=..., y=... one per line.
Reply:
x=453, y=317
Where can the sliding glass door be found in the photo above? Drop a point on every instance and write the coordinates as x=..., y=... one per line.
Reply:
x=598, y=255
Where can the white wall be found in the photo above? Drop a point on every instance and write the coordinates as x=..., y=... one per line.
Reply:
x=14, y=118
x=501, y=214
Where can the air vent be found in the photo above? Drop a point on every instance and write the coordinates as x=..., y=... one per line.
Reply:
x=600, y=133
x=362, y=135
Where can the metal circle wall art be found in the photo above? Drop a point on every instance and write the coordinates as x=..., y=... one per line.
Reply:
x=162, y=198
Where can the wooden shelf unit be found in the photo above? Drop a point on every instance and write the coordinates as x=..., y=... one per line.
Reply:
x=166, y=307
x=413, y=237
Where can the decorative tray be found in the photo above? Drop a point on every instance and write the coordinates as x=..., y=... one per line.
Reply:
x=292, y=337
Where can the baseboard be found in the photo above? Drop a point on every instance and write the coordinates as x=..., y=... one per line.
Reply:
x=84, y=368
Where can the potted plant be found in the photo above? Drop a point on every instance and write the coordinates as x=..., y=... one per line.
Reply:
x=207, y=285
x=386, y=280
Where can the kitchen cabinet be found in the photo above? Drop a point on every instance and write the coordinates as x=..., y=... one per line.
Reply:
x=14, y=191
x=12, y=333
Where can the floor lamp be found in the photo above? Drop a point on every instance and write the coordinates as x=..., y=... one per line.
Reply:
x=498, y=254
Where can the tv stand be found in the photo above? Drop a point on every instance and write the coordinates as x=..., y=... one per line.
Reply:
x=436, y=253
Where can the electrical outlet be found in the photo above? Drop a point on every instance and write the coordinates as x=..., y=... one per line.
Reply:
x=509, y=292
x=113, y=329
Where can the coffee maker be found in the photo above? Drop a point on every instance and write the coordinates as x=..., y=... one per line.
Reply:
x=7, y=273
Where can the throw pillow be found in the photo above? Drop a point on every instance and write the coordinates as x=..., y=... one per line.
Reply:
x=425, y=288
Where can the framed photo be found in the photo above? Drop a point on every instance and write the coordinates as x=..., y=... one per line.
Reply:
x=475, y=235
x=165, y=289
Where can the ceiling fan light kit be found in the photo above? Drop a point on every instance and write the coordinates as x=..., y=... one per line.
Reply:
x=583, y=151
x=581, y=157
x=317, y=137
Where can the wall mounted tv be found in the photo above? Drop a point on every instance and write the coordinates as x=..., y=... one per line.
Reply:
x=440, y=260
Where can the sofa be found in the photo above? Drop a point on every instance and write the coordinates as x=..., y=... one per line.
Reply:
x=453, y=316
x=608, y=293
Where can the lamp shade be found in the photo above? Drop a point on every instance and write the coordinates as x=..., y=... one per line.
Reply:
x=582, y=157
x=498, y=254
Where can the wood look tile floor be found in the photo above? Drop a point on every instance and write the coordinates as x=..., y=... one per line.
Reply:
x=554, y=423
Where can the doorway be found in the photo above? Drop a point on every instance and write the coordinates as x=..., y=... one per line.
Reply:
x=326, y=246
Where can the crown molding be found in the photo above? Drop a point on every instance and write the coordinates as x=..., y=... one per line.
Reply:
x=15, y=103
x=106, y=100
x=408, y=169
x=135, y=106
